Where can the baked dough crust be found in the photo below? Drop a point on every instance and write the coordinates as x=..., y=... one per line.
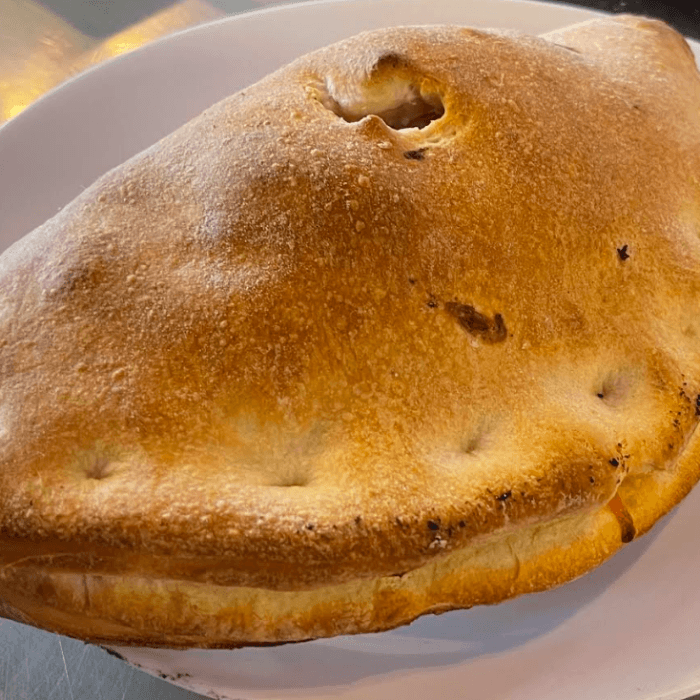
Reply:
x=301, y=370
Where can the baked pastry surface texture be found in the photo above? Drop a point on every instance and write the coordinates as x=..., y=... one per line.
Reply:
x=408, y=326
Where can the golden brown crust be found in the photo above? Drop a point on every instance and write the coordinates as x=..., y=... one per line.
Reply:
x=150, y=612
x=293, y=372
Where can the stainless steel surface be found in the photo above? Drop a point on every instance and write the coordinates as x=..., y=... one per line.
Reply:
x=36, y=665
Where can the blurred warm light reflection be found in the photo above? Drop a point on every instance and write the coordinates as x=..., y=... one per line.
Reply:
x=124, y=42
x=14, y=103
x=38, y=50
x=177, y=16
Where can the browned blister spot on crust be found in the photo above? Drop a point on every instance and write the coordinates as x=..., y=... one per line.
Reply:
x=490, y=330
x=415, y=154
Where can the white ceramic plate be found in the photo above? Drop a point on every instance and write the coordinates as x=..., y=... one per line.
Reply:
x=627, y=631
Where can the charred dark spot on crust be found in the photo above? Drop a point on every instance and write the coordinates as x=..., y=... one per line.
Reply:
x=600, y=395
x=614, y=462
x=622, y=252
x=591, y=479
x=504, y=496
x=417, y=154
x=310, y=526
x=358, y=520
x=111, y=652
x=624, y=518
x=475, y=323
x=697, y=405
x=411, y=280
x=432, y=304
x=432, y=525
x=462, y=523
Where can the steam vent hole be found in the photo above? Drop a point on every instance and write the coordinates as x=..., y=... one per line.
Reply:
x=398, y=102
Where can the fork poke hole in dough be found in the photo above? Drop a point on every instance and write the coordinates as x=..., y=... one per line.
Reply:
x=615, y=387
